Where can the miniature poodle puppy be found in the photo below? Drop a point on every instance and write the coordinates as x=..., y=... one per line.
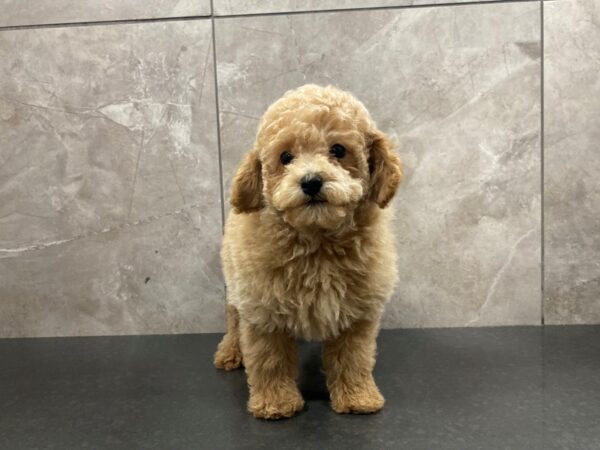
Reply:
x=308, y=252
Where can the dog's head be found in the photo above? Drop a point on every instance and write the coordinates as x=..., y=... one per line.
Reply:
x=317, y=156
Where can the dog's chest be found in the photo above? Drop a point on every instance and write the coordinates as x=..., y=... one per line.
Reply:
x=314, y=296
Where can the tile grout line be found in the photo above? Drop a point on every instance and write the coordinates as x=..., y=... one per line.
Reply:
x=212, y=16
x=221, y=187
x=216, y=87
x=542, y=107
x=101, y=22
x=373, y=8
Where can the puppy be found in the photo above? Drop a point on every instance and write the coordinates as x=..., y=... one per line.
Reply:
x=308, y=252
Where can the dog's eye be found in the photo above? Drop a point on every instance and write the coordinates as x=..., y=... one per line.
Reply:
x=286, y=158
x=338, y=150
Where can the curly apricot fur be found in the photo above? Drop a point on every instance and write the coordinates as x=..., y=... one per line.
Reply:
x=296, y=268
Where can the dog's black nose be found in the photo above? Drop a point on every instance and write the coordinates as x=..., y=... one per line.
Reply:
x=311, y=184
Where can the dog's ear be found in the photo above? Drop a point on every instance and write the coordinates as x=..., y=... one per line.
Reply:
x=385, y=169
x=246, y=188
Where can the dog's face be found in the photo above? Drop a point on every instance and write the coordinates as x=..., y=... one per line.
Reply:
x=317, y=155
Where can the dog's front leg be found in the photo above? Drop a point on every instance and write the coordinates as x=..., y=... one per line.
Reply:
x=349, y=360
x=271, y=365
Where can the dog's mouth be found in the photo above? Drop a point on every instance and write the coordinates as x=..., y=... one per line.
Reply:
x=316, y=201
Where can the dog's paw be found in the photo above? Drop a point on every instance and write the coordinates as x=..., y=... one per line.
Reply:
x=275, y=403
x=228, y=355
x=228, y=361
x=364, y=399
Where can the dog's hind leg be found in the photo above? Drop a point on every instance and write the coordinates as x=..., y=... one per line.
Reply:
x=229, y=353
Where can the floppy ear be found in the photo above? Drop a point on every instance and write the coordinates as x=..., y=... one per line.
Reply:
x=246, y=187
x=385, y=169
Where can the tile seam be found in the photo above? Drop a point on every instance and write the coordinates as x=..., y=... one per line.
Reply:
x=218, y=117
x=542, y=154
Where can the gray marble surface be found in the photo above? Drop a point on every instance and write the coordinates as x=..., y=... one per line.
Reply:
x=101, y=127
x=572, y=161
x=36, y=12
x=228, y=7
x=467, y=115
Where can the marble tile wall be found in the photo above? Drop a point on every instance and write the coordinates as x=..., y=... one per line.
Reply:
x=110, y=205
x=110, y=182
x=572, y=162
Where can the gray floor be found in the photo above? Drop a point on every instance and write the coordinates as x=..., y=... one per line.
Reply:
x=494, y=388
